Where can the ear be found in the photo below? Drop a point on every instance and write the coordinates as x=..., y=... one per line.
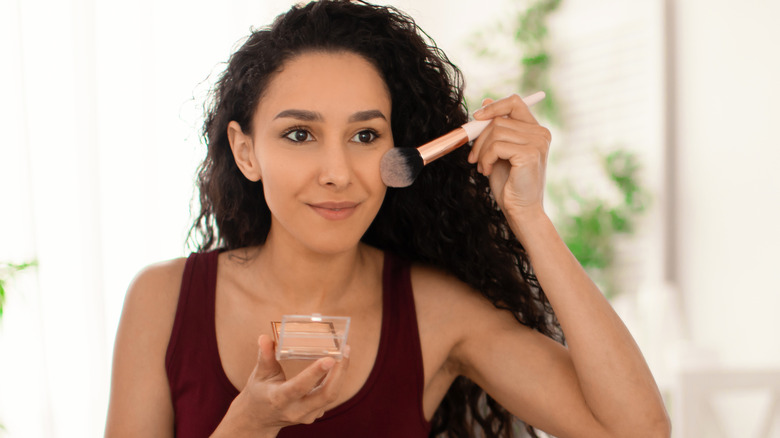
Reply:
x=243, y=151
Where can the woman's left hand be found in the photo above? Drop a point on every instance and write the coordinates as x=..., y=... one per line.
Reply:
x=512, y=153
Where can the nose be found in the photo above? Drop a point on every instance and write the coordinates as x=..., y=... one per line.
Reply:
x=335, y=170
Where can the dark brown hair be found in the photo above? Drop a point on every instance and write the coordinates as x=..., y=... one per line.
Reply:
x=446, y=219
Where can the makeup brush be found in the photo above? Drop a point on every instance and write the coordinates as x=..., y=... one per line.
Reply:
x=400, y=166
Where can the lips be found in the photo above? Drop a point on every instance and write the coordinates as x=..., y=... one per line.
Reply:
x=334, y=210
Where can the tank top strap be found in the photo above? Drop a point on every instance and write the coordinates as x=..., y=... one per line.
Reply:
x=200, y=391
x=404, y=351
x=196, y=302
x=399, y=317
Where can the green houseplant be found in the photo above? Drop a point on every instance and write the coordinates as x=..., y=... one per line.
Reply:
x=589, y=223
x=7, y=272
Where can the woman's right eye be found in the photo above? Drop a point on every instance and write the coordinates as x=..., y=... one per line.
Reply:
x=298, y=135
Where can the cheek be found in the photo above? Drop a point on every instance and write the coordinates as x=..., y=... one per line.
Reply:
x=280, y=185
x=281, y=169
x=367, y=167
x=371, y=182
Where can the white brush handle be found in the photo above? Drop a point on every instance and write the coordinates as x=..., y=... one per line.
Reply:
x=474, y=128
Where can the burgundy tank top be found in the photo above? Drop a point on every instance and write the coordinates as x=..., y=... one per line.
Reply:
x=388, y=405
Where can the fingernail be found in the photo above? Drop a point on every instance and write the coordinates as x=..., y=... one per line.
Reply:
x=478, y=112
x=347, y=349
x=327, y=365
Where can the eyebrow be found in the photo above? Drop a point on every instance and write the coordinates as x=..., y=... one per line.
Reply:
x=313, y=116
x=362, y=116
x=307, y=116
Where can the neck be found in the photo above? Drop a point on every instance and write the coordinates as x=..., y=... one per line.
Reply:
x=305, y=281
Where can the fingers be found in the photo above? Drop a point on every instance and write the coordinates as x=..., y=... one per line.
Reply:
x=333, y=380
x=314, y=388
x=476, y=146
x=511, y=106
x=512, y=123
x=309, y=379
x=273, y=402
x=267, y=368
x=321, y=379
x=510, y=140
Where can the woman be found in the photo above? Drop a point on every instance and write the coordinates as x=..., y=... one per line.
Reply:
x=451, y=332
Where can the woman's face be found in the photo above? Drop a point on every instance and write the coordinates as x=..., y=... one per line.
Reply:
x=320, y=131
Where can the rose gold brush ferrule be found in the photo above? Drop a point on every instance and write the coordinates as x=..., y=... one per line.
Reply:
x=443, y=145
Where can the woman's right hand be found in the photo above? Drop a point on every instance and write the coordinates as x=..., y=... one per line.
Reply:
x=268, y=402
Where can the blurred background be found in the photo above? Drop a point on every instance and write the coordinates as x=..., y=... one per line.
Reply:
x=663, y=178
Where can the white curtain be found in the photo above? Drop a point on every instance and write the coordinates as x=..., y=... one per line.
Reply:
x=100, y=112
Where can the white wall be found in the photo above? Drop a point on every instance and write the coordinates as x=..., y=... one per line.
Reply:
x=728, y=191
x=727, y=211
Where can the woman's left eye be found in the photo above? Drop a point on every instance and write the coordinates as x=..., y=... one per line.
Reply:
x=298, y=135
x=366, y=136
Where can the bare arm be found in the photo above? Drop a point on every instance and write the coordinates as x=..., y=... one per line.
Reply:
x=140, y=402
x=600, y=385
x=612, y=373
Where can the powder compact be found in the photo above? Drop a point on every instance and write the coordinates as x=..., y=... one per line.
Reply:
x=310, y=337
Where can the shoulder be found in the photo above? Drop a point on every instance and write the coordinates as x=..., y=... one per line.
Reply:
x=165, y=273
x=152, y=298
x=140, y=404
x=444, y=293
x=455, y=311
x=156, y=284
x=467, y=329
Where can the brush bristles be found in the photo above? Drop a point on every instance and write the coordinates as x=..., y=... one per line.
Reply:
x=400, y=167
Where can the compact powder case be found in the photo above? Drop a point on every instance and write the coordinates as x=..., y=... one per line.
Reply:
x=310, y=337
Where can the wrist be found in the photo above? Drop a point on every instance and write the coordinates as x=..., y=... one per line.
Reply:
x=529, y=224
x=224, y=431
x=239, y=422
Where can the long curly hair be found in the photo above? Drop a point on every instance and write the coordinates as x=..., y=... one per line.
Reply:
x=446, y=219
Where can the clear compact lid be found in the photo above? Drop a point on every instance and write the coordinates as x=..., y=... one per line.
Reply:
x=310, y=336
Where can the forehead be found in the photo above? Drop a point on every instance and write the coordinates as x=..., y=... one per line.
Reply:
x=336, y=83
